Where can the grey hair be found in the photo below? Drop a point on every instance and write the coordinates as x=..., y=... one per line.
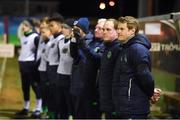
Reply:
x=101, y=20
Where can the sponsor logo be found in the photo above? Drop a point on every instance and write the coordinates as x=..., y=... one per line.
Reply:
x=156, y=47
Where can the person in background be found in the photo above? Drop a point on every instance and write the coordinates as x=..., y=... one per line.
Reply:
x=95, y=50
x=64, y=103
x=92, y=50
x=27, y=64
x=83, y=74
x=55, y=24
x=133, y=84
x=107, y=65
x=45, y=36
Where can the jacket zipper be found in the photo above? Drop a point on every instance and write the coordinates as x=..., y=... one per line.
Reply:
x=129, y=90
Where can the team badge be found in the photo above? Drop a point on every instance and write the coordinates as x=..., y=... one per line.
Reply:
x=109, y=54
x=96, y=50
x=64, y=50
x=43, y=51
x=52, y=45
x=25, y=42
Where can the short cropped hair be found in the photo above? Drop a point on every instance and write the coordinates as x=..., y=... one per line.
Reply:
x=57, y=18
x=115, y=22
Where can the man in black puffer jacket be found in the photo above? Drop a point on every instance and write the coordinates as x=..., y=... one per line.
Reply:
x=133, y=84
x=108, y=59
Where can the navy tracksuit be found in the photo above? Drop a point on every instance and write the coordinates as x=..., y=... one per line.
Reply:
x=84, y=77
x=133, y=84
x=106, y=75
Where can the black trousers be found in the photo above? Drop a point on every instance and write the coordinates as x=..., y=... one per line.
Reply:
x=63, y=97
x=28, y=78
x=84, y=108
x=52, y=73
x=44, y=86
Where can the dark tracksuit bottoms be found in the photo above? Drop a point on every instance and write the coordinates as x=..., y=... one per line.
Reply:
x=44, y=85
x=64, y=105
x=83, y=81
x=28, y=77
x=108, y=60
x=52, y=73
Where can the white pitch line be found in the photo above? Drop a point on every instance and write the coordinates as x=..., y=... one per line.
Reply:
x=3, y=67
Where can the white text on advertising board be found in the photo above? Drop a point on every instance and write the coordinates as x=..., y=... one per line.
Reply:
x=156, y=47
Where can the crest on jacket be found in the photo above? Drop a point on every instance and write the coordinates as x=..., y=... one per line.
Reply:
x=96, y=50
x=25, y=42
x=109, y=54
x=64, y=50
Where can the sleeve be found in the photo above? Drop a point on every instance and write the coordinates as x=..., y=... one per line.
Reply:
x=142, y=63
x=90, y=53
x=74, y=50
x=58, y=49
x=36, y=41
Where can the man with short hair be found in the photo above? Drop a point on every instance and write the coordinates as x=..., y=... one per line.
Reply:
x=55, y=25
x=108, y=60
x=133, y=84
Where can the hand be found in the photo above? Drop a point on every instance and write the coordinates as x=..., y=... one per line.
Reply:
x=156, y=95
x=76, y=33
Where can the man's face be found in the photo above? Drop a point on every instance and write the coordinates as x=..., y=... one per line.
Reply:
x=45, y=33
x=67, y=31
x=109, y=33
x=55, y=27
x=123, y=32
x=98, y=32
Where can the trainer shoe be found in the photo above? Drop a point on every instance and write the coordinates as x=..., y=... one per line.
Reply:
x=23, y=112
x=36, y=114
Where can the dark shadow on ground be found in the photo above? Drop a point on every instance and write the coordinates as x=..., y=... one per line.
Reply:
x=11, y=113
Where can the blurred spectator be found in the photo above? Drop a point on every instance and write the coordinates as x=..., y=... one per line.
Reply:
x=27, y=65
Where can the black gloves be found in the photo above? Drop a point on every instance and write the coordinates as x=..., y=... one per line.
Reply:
x=76, y=33
x=77, y=36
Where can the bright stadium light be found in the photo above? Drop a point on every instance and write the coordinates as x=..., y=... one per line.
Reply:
x=111, y=3
x=102, y=5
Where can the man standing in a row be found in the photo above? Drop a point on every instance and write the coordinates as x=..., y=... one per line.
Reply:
x=86, y=51
x=55, y=24
x=108, y=60
x=133, y=84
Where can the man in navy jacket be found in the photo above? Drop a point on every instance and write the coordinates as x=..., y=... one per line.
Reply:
x=133, y=84
x=109, y=56
x=84, y=69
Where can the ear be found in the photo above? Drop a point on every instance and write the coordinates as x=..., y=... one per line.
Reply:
x=132, y=31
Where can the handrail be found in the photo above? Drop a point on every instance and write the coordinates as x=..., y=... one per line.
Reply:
x=173, y=16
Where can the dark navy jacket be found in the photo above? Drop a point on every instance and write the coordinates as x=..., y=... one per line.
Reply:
x=106, y=75
x=133, y=84
x=86, y=63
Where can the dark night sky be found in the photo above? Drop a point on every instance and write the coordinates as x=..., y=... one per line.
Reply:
x=91, y=8
x=122, y=8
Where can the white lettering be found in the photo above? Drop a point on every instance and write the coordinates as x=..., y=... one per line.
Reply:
x=156, y=47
